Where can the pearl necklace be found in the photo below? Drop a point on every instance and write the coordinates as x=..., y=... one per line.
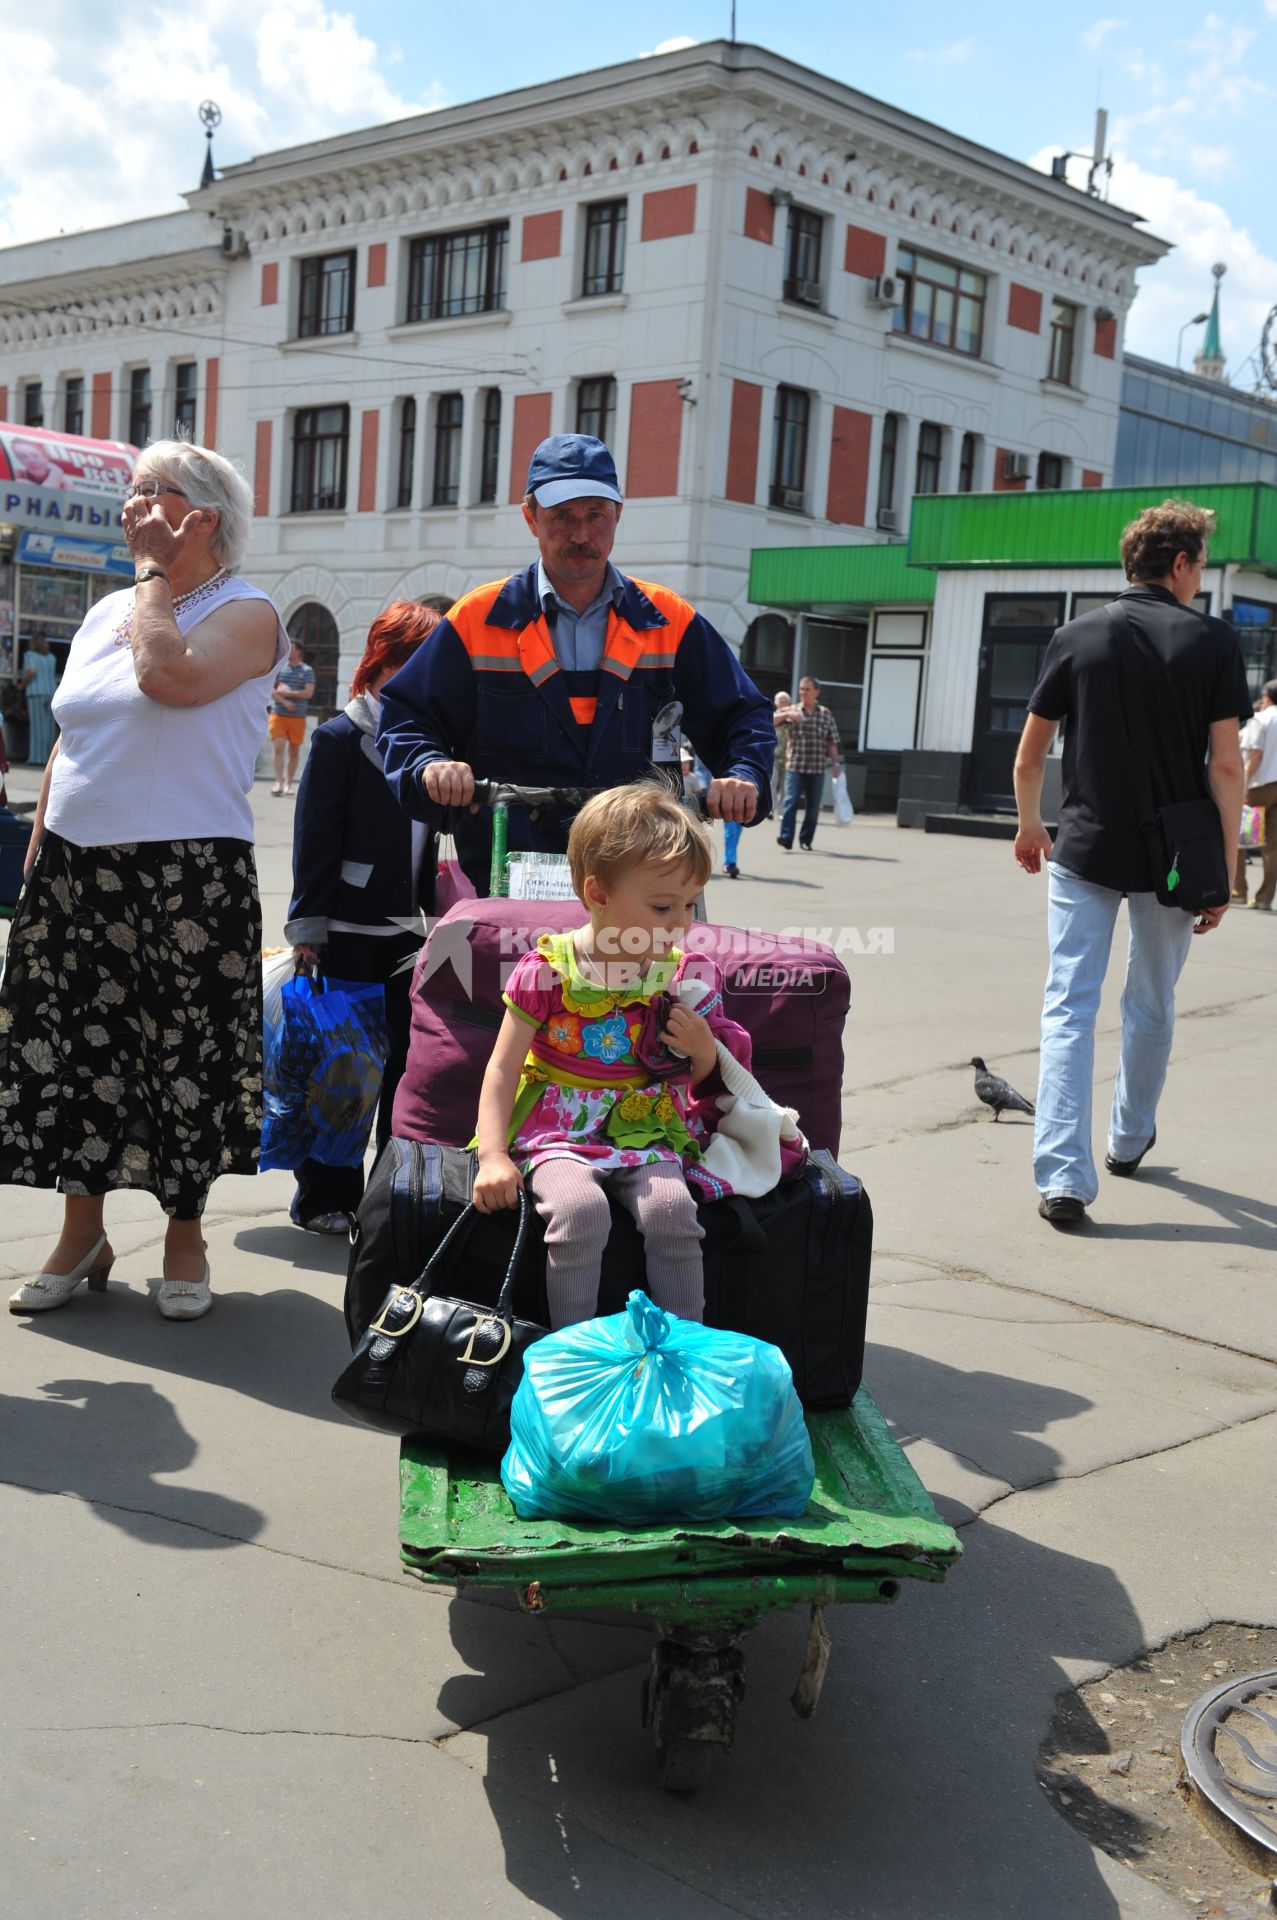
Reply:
x=124, y=632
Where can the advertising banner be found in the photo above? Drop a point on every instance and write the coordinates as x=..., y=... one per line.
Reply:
x=63, y=482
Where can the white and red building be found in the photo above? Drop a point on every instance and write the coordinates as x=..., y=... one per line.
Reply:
x=788, y=306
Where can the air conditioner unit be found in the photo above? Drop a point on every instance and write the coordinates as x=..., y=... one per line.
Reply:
x=792, y=499
x=234, y=242
x=808, y=293
x=1015, y=466
x=885, y=291
x=888, y=519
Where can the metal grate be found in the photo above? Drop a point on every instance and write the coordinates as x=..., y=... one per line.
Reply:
x=1229, y=1744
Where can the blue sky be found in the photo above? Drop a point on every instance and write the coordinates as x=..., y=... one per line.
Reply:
x=98, y=104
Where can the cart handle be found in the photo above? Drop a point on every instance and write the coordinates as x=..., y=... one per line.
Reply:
x=501, y=793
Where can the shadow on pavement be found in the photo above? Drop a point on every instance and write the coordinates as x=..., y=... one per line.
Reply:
x=1247, y=1222
x=284, y=1348
x=58, y=1445
x=911, y=1792
x=291, y=1247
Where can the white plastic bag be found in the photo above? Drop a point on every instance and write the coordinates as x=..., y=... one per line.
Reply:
x=844, y=812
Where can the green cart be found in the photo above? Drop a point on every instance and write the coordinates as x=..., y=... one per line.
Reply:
x=869, y=1526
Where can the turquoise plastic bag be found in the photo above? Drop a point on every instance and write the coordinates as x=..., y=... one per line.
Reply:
x=642, y=1418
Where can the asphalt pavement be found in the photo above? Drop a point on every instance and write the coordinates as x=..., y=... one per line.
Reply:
x=220, y=1697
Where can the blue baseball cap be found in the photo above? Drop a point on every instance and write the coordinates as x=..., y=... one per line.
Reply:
x=572, y=466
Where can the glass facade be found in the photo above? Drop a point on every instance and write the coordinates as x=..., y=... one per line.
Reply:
x=1176, y=429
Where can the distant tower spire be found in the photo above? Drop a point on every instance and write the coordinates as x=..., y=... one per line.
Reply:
x=1209, y=363
x=210, y=117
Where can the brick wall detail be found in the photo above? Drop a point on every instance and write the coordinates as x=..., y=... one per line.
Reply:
x=100, y=412
x=1000, y=483
x=261, y=469
x=866, y=253
x=656, y=428
x=1024, y=308
x=377, y=264
x=531, y=426
x=1106, y=337
x=543, y=235
x=760, y=216
x=369, y=434
x=270, y=282
x=668, y=212
x=212, y=378
x=742, y=441
x=849, y=467
x=1090, y=478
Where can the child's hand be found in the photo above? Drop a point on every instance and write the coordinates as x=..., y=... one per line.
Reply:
x=496, y=1184
x=689, y=1033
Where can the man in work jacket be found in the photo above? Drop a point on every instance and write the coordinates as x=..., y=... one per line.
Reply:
x=555, y=677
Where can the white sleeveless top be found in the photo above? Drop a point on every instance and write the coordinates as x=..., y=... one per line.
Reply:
x=130, y=768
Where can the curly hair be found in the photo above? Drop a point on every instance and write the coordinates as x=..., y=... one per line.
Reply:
x=1152, y=540
x=635, y=826
x=393, y=636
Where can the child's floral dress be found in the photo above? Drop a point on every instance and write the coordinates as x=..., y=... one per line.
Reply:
x=585, y=1092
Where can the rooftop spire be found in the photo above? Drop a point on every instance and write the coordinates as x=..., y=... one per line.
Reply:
x=210, y=117
x=1209, y=362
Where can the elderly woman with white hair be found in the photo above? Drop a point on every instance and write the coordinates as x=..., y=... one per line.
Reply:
x=130, y=1009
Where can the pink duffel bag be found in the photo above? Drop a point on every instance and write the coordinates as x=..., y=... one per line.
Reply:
x=791, y=995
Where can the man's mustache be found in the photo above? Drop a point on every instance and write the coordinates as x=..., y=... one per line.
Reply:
x=581, y=553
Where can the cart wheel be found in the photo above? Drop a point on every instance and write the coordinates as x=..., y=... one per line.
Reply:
x=685, y=1765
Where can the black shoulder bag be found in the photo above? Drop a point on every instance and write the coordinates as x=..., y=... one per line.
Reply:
x=1185, y=840
x=430, y=1363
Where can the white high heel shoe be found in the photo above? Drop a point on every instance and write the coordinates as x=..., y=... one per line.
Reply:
x=55, y=1289
x=186, y=1299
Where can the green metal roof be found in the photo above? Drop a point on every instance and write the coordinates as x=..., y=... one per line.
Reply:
x=1082, y=529
x=838, y=576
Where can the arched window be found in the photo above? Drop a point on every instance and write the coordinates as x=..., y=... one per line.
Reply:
x=315, y=631
x=767, y=653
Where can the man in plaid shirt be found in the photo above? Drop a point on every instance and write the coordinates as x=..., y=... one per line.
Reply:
x=812, y=735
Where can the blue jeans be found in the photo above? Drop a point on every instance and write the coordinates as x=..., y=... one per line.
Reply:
x=1080, y=922
x=807, y=787
x=731, y=841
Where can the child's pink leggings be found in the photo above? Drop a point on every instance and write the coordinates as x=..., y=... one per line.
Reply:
x=571, y=1198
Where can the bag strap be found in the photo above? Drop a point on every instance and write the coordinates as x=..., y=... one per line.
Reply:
x=452, y=1243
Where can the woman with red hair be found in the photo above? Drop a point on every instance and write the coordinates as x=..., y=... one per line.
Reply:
x=363, y=876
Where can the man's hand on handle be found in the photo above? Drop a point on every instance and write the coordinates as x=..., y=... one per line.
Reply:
x=450, y=783
x=732, y=800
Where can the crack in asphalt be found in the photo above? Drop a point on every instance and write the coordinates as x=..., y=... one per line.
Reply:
x=1105, y=1466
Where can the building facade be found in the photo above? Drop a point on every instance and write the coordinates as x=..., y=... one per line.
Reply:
x=790, y=308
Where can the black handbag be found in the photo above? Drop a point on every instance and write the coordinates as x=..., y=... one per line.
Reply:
x=433, y=1364
x=1184, y=840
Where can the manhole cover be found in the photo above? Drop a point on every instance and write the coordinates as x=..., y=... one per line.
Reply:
x=1229, y=1745
x=1112, y=1766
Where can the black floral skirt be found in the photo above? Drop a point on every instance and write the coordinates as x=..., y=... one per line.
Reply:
x=131, y=1021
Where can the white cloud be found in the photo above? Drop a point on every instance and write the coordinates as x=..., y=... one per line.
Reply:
x=678, y=44
x=1181, y=285
x=951, y=55
x=1098, y=32
x=99, y=104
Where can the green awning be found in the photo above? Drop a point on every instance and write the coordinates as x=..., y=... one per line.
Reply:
x=1082, y=529
x=838, y=576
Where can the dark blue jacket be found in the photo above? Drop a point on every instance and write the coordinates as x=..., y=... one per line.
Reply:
x=486, y=688
x=352, y=842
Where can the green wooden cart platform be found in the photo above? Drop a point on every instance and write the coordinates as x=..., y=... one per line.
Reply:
x=869, y=1526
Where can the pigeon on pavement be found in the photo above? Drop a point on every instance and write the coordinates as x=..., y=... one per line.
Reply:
x=997, y=1092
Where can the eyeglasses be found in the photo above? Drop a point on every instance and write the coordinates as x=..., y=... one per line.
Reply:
x=151, y=490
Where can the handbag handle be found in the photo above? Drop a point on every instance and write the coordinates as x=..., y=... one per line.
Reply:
x=457, y=1235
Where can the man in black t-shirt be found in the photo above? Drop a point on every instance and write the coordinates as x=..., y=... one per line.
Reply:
x=1186, y=671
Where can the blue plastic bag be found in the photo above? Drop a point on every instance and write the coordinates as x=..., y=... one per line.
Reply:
x=323, y=1065
x=642, y=1417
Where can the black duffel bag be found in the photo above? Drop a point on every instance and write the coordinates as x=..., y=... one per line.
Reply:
x=792, y=1268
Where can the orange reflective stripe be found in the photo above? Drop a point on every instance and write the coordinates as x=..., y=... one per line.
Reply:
x=583, y=706
x=494, y=645
x=536, y=652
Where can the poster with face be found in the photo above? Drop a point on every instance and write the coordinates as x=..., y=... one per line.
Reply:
x=66, y=462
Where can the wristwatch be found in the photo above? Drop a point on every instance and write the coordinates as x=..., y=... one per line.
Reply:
x=149, y=573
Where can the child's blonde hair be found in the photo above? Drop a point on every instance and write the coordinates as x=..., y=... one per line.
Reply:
x=635, y=826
